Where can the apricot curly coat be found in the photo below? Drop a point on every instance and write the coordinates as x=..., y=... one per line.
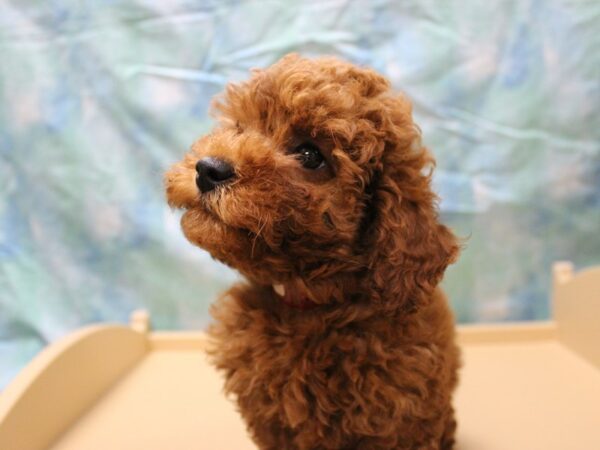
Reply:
x=359, y=353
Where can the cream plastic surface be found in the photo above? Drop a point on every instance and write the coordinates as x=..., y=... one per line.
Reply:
x=523, y=386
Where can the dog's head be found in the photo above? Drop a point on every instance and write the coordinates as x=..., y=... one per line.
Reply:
x=315, y=174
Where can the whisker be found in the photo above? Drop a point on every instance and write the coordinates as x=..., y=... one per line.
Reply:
x=256, y=235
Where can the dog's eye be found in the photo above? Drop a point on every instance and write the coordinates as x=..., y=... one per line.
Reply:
x=310, y=156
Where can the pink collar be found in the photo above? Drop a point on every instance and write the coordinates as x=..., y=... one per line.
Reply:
x=293, y=297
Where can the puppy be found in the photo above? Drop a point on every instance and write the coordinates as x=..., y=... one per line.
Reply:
x=315, y=186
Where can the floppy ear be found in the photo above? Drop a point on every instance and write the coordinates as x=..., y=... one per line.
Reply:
x=410, y=249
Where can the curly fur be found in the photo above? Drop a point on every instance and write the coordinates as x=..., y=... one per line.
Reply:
x=373, y=364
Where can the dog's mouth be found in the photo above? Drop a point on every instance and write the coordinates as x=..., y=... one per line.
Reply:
x=205, y=208
x=212, y=228
x=205, y=212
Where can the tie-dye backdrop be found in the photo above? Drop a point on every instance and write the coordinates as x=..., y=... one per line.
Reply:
x=98, y=97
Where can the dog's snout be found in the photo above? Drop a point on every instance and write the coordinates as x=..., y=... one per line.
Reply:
x=213, y=172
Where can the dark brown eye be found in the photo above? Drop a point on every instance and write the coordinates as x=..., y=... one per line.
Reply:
x=309, y=156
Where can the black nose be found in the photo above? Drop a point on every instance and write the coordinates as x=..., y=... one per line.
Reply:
x=213, y=172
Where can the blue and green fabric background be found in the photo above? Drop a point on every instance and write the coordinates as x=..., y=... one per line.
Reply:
x=98, y=97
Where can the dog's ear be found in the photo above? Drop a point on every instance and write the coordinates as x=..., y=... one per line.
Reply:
x=408, y=249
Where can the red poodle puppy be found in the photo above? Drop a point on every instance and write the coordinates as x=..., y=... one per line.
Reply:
x=316, y=187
